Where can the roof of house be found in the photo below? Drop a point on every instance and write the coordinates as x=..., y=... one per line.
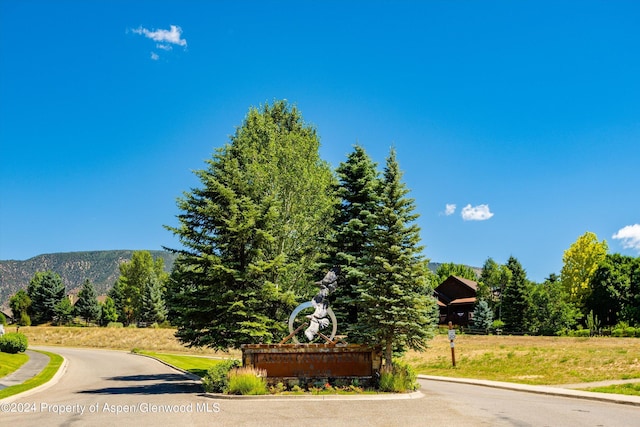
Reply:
x=455, y=287
x=460, y=301
x=470, y=283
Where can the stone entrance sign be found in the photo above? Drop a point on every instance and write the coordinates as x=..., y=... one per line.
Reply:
x=312, y=362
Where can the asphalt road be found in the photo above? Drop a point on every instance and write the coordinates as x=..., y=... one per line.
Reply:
x=101, y=388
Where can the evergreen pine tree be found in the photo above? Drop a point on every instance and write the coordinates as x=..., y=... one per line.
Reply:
x=116, y=294
x=251, y=233
x=46, y=290
x=87, y=305
x=153, y=305
x=398, y=311
x=515, y=302
x=63, y=312
x=353, y=226
x=482, y=315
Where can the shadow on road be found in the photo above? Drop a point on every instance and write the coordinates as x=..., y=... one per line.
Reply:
x=156, y=384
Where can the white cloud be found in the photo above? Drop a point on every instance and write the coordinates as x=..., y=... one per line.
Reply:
x=630, y=236
x=173, y=36
x=154, y=56
x=164, y=46
x=476, y=213
x=449, y=209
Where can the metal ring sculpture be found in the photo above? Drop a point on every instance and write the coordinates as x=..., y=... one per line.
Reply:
x=308, y=304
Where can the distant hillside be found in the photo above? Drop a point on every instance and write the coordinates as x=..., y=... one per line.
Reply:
x=100, y=267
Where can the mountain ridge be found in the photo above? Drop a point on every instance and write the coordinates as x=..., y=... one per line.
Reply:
x=100, y=267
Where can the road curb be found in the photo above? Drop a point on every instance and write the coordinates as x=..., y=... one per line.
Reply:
x=56, y=377
x=319, y=397
x=191, y=376
x=314, y=397
x=547, y=390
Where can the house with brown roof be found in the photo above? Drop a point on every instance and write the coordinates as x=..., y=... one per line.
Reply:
x=456, y=300
x=8, y=314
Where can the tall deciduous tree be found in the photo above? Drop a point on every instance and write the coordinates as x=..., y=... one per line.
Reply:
x=551, y=311
x=580, y=262
x=134, y=275
x=493, y=281
x=45, y=289
x=278, y=155
x=615, y=290
x=251, y=233
x=398, y=310
x=516, y=299
x=451, y=269
x=353, y=227
x=108, y=312
x=20, y=304
x=87, y=305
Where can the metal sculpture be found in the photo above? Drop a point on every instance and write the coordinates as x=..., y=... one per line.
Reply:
x=322, y=314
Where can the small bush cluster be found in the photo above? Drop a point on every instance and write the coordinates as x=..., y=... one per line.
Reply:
x=337, y=386
x=247, y=381
x=398, y=378
x=217, y=378
x=580, y=333
x=622, y=329
x=13, y=343
x=115, y=325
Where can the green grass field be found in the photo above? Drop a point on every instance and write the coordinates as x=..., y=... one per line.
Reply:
x=630, y=389
x=519, y=359
x=531, y=360
x=11, y=362
x=55, y=361
x=197, y=365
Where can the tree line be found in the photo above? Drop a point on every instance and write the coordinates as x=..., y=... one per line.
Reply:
x=595, y=291
x=270, y=217
x=137, y=296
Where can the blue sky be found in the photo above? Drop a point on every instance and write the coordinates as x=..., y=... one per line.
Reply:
x=525, y=113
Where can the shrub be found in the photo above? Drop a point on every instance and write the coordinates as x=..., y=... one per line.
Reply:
x=217, y=378
x=398, y=379
x=247, y=381
x=25, y=320
x=497, y=325
x=580, y=333
x=3, y=320
x=115, y=325
x=13, y=343
x=278, y=388
x=622, y=329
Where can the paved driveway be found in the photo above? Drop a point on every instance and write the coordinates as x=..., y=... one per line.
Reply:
x=103, y=387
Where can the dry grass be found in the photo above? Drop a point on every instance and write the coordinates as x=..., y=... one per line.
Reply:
x=149, y=339
x=531, y=360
